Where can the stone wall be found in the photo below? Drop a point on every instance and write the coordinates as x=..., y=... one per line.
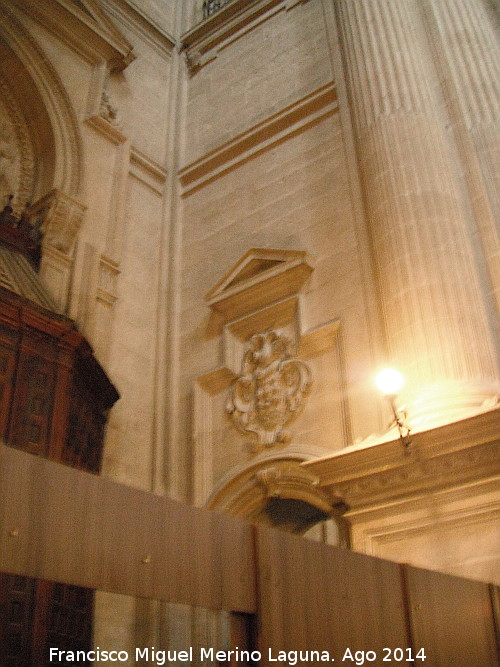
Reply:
x=109, y=86
x=265, y=165
x=166, y=147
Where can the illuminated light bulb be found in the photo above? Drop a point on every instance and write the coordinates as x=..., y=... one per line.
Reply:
x=389, y=381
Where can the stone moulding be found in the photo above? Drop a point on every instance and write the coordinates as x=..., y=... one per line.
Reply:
x=21, y=143
x=294, y=118
x=107, y=281
x=49, y=93
x=106, y=129
x=457, y=454
x=131, y=15
x=86, y=28
x=202, y=43
x=261, y=276
x=147, y=171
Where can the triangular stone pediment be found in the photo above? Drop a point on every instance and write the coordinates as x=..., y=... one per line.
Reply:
x=253, y=268
x=261, y=277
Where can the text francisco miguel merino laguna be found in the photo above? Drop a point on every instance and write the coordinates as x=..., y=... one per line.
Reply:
x=164, y=657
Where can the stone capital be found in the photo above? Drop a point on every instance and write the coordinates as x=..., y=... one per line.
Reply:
x=58, y=217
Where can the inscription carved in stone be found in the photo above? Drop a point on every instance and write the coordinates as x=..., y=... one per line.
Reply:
x=270, y=391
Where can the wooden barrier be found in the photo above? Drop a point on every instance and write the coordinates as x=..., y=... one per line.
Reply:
x=360, y=608
x=313, y=596
x=65, y=525
x=452, y=617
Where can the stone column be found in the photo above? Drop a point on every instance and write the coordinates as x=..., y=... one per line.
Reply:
x=435, y=318
x=465, y=42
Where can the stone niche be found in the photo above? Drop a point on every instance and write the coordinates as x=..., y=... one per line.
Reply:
x=249, y=410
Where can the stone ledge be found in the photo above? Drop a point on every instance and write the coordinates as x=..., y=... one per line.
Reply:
x=292, y=119
x=458, y=453
x=224, y=25
x=90, y=32
x=142, y=25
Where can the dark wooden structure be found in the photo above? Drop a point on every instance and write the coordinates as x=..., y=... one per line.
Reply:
x=54, y=399
x=54, y=395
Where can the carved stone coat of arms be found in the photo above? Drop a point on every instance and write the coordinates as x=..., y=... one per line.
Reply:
x=269, y=393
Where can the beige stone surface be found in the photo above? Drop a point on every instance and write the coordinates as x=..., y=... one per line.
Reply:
x=362, y=133
x=433, y=503
x=434, y=309
x=300, y=207
x=274, y=67
x=159, y=12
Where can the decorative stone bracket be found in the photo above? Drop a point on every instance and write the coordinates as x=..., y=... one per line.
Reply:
x=252, y=488
x=289, y=480
x=59, y=217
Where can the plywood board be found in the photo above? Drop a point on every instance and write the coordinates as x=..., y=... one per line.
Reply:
x=451, y=618
x=65, y=525
x=317, y=597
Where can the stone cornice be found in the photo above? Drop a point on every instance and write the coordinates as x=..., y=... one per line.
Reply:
x=131, y=15
x=147, y=171
x=294, y=118
x=452, y=455
x=91, y=34
x=202, y=42
x=259, y=273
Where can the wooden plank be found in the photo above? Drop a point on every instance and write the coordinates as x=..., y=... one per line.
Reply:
x=65, y=525
x=495, y=605
x=451, y=618
x=317, y=597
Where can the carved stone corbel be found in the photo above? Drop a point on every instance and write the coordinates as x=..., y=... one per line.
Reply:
x=58, y=217
x=288, y=492
x=196, y=59
x=280, y=479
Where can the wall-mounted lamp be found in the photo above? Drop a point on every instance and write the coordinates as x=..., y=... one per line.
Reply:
x=390, y=381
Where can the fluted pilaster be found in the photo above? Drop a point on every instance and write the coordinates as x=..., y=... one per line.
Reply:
x=431, y=297
x=470, y=42
x=465, y=42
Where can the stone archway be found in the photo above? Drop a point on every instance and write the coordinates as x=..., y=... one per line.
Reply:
x=279, y=492
x=43, y=122
x=40, y=152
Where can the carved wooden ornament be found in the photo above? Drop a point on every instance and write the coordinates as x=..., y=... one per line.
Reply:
x=270, y=391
